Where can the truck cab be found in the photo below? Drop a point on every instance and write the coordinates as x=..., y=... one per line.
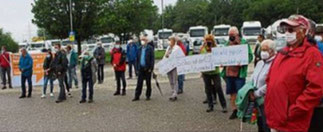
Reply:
x=196, y=36
x=250, y=31
x=163, y=35
x=221, y=31
x=107, y=41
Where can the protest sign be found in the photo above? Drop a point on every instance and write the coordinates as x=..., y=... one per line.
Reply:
x=168, y=64
x=195, y=64
x=230, y=56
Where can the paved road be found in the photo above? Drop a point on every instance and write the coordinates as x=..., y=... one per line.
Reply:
x=111, y=113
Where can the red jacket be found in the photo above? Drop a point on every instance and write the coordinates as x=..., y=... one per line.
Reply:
x=180, y=44
x=294, y=88
x=4, y=60
x=118, y=58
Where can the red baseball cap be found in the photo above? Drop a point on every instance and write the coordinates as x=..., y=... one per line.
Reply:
x=296, y=20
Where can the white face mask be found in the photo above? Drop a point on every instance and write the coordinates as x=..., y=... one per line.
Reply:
x=117, y=46
x=291, y=38
x=143, y=42
x=264, y=55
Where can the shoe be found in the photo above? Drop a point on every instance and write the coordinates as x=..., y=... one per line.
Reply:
x=173, y=98
x=234, y=115
x=51, y=95
x=116, y=93
x=90, y=101
x=4, y=87
x=205, y=102
x=209, y=110
x=29, y=96
x=69, y=95
x=123, y=93
x=180, y=92
x=82, y=101
x=59, y=101
x=148, y=98
x=135, y=99
x=10, y=87
x=43, y=96
x=22, y=96
x=224, y=110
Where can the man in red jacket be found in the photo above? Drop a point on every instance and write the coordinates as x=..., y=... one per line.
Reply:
x=294, y=83
x=118, y=61
x=5, y=67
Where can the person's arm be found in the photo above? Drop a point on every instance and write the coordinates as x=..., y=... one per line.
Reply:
x=312, y=94
x=123, y=58
x=30, y=63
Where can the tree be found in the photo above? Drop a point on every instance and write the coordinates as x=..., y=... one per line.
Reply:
x=43, y=33
x=6, y=40
x=54, y=17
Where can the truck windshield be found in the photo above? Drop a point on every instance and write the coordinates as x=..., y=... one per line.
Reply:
x=164, y=35
x=91, y=41
x=197, y=33
x=252, y=31
x=107, y=40
x=38, y=46
x=221, y=31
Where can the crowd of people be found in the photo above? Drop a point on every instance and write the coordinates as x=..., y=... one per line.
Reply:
x=284, y=90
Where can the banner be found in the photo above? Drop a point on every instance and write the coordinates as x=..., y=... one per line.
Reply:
x=38, y=72
x=195, y=64
x=230, y=56
x=168, y=64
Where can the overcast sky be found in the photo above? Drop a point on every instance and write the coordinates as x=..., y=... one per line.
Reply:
x=15, y=17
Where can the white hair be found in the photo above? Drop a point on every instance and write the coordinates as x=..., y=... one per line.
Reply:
x=270, y=43
x=234, y=29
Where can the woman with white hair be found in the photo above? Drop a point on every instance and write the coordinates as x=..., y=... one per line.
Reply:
x=259, y=76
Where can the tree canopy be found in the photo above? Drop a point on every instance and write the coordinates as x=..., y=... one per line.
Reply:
x=6, y=40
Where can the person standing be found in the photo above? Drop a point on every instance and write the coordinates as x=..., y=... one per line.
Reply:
x=258, y=49
x=99, y=55
x=59, y=65
x=132, y=51
x=26, y=69
x=72, y=63
x=235, y=76
x=294, y=82
x=48, y=77
x=118, y=61
x=212, y=79
x=88, y=73
x=145, y=61
x=5, y=68
x=181, y=77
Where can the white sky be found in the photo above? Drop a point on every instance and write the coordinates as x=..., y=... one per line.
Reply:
x=16, y=16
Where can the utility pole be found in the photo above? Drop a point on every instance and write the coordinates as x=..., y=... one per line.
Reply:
x=71, y=17
x=162, y=15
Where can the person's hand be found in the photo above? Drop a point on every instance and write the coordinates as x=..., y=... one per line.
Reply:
x=114, y=65
x=252, y=96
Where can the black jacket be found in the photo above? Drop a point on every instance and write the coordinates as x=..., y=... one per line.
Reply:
x=60, y=63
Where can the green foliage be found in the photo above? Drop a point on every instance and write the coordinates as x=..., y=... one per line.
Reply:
x=6, y=40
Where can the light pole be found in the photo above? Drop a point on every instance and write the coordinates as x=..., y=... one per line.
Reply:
x=71, y=17
x=162, y=15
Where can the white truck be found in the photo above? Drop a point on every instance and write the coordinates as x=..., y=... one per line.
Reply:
x=107, y=41
x=163, y=35
x=196, y=34
x=319, y=30
x=38, y=47
x=274, y=32
x=250, y=31
x=221, y=32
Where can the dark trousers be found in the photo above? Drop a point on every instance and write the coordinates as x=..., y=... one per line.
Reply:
x=100, y=72
x=85, y=82
x=4, y=72
x=130, y=65
x=61, y=80
x=317, y=119
x=23, y=85
x=120, y=77
x=261, y=121
x=67, y=85
x=212, y=87
x=143, y=75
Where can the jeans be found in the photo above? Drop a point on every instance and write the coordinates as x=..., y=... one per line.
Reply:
x=85, y=82
x=234, y=84
x=62, y=95
x=23, y=85
x=72, y=76
x=120, y=77
x=4, y=72
x=100, y=72
x=51, y=82
x=212, y=87
x=181, y=82
x=130, y=65
x=143, y=75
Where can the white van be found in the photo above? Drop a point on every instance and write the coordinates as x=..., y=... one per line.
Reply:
x=250, y=31
x=38, y=47
x=107, y=41
x=196, y=34
x=163, y=35
x=221, y=31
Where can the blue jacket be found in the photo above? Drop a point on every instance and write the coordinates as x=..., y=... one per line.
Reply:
x=320, y=45
x=132, y=51
x=26, y=65
x=149, y=57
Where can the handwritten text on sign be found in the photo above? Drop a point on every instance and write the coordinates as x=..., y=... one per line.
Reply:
x=194, y=64
x=230, y=56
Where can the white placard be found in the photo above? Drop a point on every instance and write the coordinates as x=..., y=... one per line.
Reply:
x=195, y=64
x=230, y=56
x=168, y=64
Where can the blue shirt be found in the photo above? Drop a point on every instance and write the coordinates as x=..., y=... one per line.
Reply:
x=142, y=57
x=320, y=45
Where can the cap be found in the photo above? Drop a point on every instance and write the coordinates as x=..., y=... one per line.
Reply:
x=296, y=20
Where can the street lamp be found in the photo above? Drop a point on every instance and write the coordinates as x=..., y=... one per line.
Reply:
x=71, y=17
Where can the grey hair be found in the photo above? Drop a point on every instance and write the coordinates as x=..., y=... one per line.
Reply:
x=172, y=38
x=234, y=29
x=270, y=43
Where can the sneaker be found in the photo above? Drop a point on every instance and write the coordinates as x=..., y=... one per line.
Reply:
x=116, y=93
x=224, y=110
x=59, y=101
x=69, y=95
x=234, y=115
x=90, y=101
x=43, y=96
x=22, y=96
x=123, y=93
x=51, y=95
x=82, y=101
x=4, y=87
x=209, y=110
x=135, y=99
x=173, y=98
